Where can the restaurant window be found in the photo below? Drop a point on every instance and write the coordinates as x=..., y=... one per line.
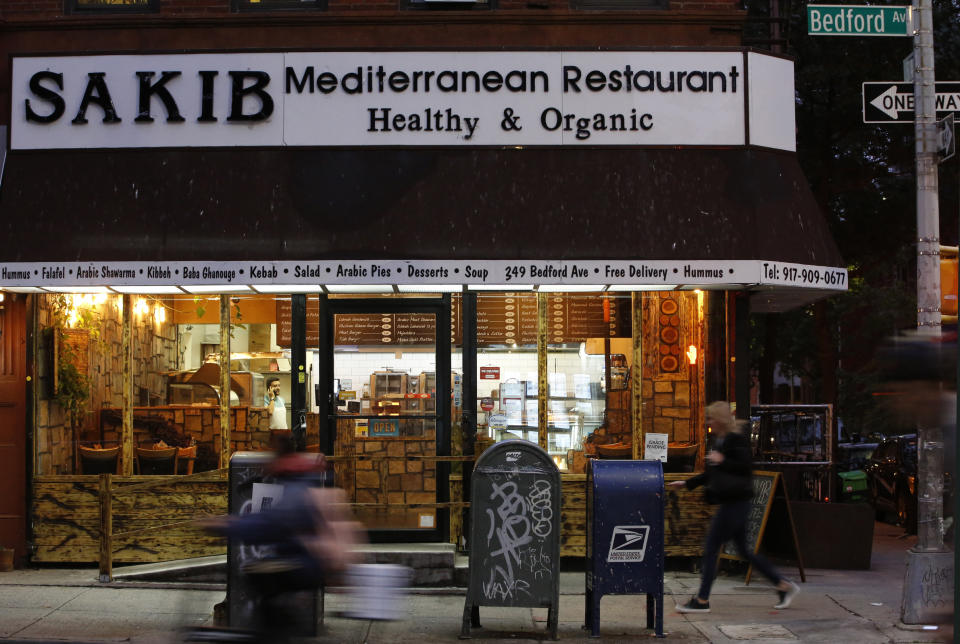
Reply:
x=587, y=334
x=175, y=377
x=259, y=330
x=576, y=396
x=112, y=6
x=79, y=343
x=279, y=5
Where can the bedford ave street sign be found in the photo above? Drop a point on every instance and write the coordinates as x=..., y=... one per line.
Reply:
x=849, y=20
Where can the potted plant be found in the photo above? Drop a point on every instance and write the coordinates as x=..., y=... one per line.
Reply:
x=6, y=559
x=71, y=382
x=73, y=386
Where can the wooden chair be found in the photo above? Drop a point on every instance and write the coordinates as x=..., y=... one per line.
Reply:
x=156, y=461
x=186, y=456
x=99, y=461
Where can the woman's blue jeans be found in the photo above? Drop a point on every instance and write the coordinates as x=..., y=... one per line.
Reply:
x=730, y=523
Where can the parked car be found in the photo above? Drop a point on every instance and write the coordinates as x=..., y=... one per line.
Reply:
x=892, y=479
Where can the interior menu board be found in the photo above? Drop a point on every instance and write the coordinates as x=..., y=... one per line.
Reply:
x=584, y=318
x=507, y=319
x=512, y=317
x=284, y=325
x=502, y=319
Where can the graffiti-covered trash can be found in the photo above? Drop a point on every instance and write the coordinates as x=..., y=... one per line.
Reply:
x=625, y=537
x=514, y=533
x=251, y=490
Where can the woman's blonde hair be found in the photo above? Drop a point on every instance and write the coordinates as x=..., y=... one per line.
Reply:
x=722, y=418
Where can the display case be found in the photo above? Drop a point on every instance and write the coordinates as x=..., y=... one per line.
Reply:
x=572, y=413
x=391, y=393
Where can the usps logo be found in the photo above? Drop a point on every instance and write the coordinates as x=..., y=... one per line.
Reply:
x=628, y=543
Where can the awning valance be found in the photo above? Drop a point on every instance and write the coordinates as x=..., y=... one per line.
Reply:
x=424, y=204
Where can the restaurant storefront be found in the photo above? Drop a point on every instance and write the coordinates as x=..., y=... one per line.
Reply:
x=431, y=250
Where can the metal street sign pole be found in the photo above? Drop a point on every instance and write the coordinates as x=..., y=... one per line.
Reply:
x=929, y=553
x=928, y=215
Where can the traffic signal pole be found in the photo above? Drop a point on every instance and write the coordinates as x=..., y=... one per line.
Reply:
x=928, y=560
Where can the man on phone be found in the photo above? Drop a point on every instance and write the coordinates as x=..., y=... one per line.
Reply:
x=275, y=405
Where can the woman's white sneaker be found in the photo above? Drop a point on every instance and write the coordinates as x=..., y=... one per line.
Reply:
x=786, y=596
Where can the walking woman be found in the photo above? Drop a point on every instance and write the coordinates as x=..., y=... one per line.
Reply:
x=728, y=478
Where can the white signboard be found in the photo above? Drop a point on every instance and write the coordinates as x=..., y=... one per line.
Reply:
x=497, y=422
x=655, y=447
x=448, y=274
x=402, y=99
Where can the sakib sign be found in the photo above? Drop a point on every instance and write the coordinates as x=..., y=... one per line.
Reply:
x=402, y=99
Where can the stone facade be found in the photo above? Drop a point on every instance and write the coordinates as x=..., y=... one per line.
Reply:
x=389, y=472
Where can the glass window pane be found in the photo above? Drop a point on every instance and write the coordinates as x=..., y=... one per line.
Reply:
x=579, y=396
x=79, y=339
x=384, y=369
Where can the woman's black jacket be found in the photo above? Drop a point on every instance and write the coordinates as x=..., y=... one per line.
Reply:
x=731, y=480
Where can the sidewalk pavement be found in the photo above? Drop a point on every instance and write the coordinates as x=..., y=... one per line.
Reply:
x=853, y=607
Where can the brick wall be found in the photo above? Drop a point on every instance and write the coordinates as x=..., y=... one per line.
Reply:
x=22, y=10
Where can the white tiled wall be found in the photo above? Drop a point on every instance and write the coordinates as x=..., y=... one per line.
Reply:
x=357, y=367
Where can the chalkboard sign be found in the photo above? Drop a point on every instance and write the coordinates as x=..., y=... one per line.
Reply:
x=515, y=531
x=765, y=487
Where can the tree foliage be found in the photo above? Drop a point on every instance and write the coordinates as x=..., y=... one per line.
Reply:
x=862, y=176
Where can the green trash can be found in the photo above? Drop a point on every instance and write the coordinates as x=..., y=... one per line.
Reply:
x=853, y=486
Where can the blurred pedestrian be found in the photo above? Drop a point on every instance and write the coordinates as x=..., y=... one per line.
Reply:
x=728, y=479
x=308, y=535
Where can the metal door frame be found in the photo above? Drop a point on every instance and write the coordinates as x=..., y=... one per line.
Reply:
x=440, y=307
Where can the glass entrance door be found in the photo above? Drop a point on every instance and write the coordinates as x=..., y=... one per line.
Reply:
x=388, y=412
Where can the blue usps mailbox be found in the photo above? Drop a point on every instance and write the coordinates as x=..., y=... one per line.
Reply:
x=624, y=536
x=514, y=533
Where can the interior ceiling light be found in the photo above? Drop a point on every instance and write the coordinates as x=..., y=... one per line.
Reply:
x=571, y=288
x=148, y=290
x=287, y=288
x=500, y=287
x=76, y=289
x=642, y=287
x=216, y=288
x=360, y=288
x=429, y=288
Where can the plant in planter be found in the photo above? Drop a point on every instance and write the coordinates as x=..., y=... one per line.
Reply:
x=72, y=328
x=73, y=386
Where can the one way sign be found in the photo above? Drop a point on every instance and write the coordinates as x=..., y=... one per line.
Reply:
x=892, y=102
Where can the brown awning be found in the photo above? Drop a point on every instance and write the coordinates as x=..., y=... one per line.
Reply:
x=319, y=204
